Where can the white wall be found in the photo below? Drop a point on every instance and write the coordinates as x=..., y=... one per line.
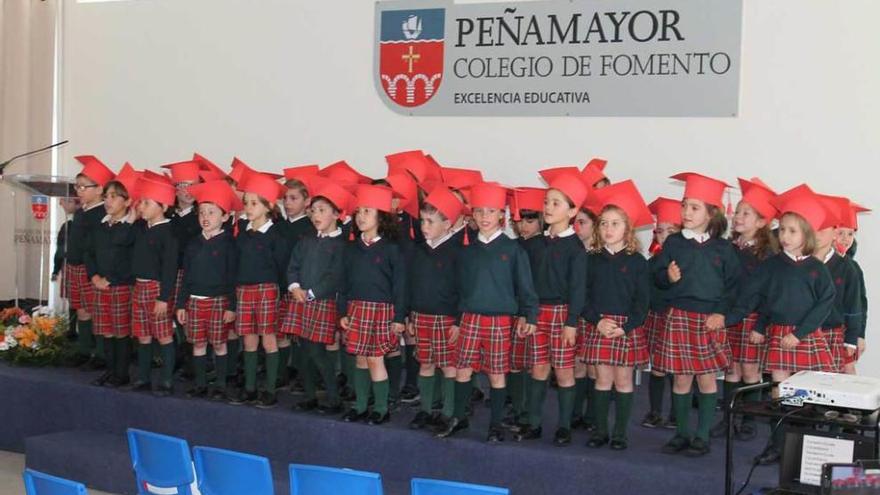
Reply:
x=286, y=82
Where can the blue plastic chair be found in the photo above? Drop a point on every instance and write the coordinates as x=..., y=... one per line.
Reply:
x=37, y=483
x=319, y=480
x=422, y=486
x=161, y=461
x=225, y=472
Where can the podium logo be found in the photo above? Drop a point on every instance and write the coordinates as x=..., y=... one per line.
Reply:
x=411, y=54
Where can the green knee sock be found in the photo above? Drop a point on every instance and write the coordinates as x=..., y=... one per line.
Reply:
x=394, y=365
x=99, y=348
x=438, y=385
x=272, y=359
x=497, y=398
x=601, y=400
x=283, y=361
x=515, y=390
x=145, y=362
x=167, y=371
x=108, y=352
x=426, y=390
x=220, y=363
x=622, y=411
x=448, y=396
x=233, y=349
x=250, y=371
x=123, y=355
x=536, y=401
x=656, y=386
x=590, y=415
x=565, y=395
x=296, y=357
x=706, y=414
x=332, y=360
x=325, y=364
x=199, y=368
x=580, y=394
x=380, y=394
x=462, y=397
x=681, y=406
x=361, y=389
x=85, y=342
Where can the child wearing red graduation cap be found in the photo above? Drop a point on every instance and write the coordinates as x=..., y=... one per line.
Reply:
x=845, y=244
x=206, y=302
x=154, y=267
x=668, y=221
x=89, y=186
x=701, y=271
x=372, y=302
x=262, y=254
x=559, y=269
x=495, y=285
x=314, y=275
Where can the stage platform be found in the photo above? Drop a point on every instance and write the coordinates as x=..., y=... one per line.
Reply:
x=70, y=428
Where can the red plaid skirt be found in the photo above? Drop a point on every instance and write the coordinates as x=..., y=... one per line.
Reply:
x=741, y=349
x=290, y=312
x=627, y=350
x=812, y=354
x=204, y=320
x=519, y=359
x=369, y=331
x=432, y=339
x=687, y=348
x=484, y=341
x=80, y=289
x=834, y=337
x=318, y=321
x=257, y=309
x=178, y=283
x=113, y=315
x=545, y=345
x=143, y=322
x=655, y=325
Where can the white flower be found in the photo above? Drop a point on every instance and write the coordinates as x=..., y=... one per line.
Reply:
x=10, y=341
x=35, y=345
x=4, y=346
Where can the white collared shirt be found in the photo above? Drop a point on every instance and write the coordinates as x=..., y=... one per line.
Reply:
x=92, y=207
x=828, y=256
x=437, y=242
x=374, y=240
x=263, y=229
x=690, y=234
x=335, y=233
x=160, y=222
x=296, y=218
x=611, y=251
x=184, y=212
x=491, y=238
x=108, y=219
x=795, y=258
x=565, y=233
x=213, y=236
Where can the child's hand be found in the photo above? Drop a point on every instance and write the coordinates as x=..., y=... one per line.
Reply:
x=398, y=328
x=228, y=316
x=519, y=326
x=715, y=322
x=454, y=330
x=569, y=336
x=181, y=316
x=344, y=322
x=410, y=328
x=861, y=345
x=160, y=309
x=299, y=295
x=529, y=329
x=605, y=326
x=756, y=338
x=616, y=333
x=789, y=342
x=850, y=350
x=674, y=272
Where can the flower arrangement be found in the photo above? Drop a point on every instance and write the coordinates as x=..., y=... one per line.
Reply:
x=33, y=340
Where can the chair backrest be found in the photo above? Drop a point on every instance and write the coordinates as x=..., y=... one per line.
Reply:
x=422, y=486
x=37, y=483
x=160, y=461
x=319, y=480
x=225, y=472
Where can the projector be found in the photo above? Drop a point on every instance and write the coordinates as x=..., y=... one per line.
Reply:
x=831, y=390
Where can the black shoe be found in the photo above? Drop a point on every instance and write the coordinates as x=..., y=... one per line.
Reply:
x=562, y=437
x=93, y=364
x=618, y=444
x=421, y=420
x=103, y=379
x=698, y=448
x=117, y=382
x=267, y=400
x=528, y=433
x=242, y=396
x=330, y=408
x=141, y=386
x=596, y=441
x=306, y=405
x=676, y=445
x=670, y=423
x=770, y=456
x=745, y=431
x=496, y=434
x=164, y=390
x=477, y=395
x=197, y=392
x=577, y=422
x=652, y=420
x=378, y=419
x=719, y=430
x=352, y=416
x=409, y=395
x=451, y=426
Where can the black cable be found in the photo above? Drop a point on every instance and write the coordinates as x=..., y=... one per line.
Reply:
x=770, y=440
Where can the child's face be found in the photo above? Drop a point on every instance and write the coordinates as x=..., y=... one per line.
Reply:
x=488, y=220
x=87, y=191
x=694, y=215
x=845, y=238
x=791, y=236
x=584, y=226
x=824, y=238
x=324, y=216
x=663, y=231
x=612, y=227
x=367, y=220
x=528, y=227
x=254, y=209
x=184, y=198
x=747, y=221
x=434, y=226
x=556, y=209
x=295, y=202
x=150, y=210
x=115, y=204
x=211, y=217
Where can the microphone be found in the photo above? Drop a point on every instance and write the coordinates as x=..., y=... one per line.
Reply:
x=3, y=165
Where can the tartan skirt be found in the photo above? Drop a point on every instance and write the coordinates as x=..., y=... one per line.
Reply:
x=654, y=326
x=81, y=291
x=630, y=350
x=834, y=337
x=369, y=331
x=143, y=322
x=204, y=320
x=484, y=341
x=518, y=357
x=812, y=354
x=113, y=315
x=687, y=348
x=318, y=321
x=545, y=346
x=741, y=349
x=290, y=312
x=257, y=309
x=432, y=339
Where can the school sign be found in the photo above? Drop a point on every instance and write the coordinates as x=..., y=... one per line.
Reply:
x=675, y=58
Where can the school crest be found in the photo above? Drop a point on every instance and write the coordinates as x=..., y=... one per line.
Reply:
x=411, y=54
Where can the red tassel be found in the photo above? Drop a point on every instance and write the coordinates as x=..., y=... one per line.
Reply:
x=351, y=235
x=729, y=205
x=466, y=241
x=655, y=247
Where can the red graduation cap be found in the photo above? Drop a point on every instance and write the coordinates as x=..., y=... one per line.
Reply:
x=806, y=203
x=666, y=210
x=445, y=201
x=240, y=171
x=526, y=198
x=332, y=191
x=159, y=191
x=218, y=192
x=370, y=196
x=153, y=176
x=549, y=174
x=594, y=171
x=758, y=196
x=413, y=162
x=460, y=178
x=128, y=177
x=208, y=170
x=187, y=171
x=706, y=189
x=95, y=169
x=433, y=171
x=851, y=221
x=626, y=196
x=342, y=172
x=298, y=172
x=263, y=185
x=571, y=185
x=406, y=188
x=488, y=195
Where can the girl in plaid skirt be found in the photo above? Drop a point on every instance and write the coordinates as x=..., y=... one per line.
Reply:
x=845, y=244
x=701, y=271
x=372, y=302
x=584, y=374
x=618, y=291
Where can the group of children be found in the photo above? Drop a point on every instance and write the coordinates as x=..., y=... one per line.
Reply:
x=357, y=272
